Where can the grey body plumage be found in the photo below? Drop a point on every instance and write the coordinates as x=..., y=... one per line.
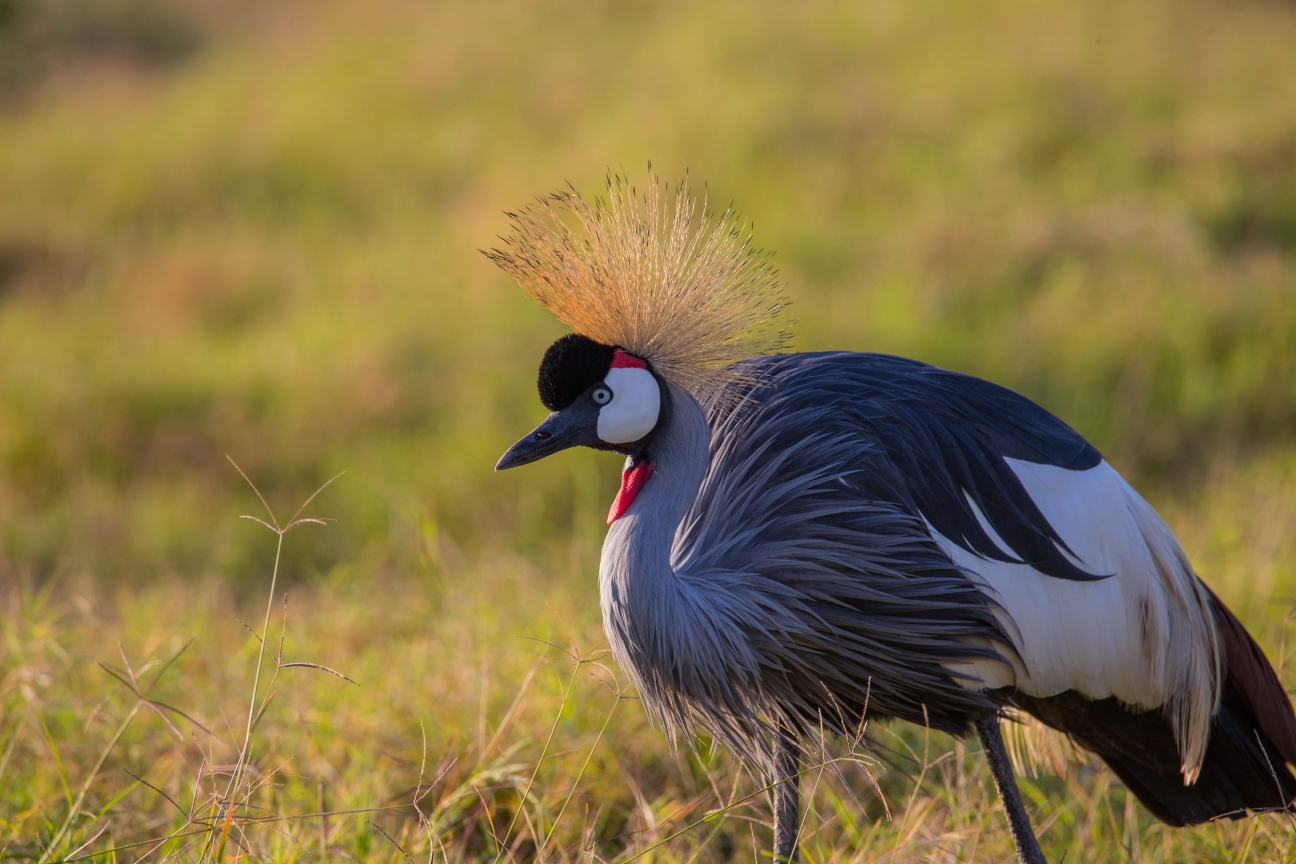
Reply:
x=752, y=586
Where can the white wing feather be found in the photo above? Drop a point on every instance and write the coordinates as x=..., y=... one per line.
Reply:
x=1145, y=635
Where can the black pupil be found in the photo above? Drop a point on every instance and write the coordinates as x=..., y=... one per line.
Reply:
x=602, y=396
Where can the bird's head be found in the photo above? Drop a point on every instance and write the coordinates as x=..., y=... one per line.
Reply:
x=600, y=396
x=665, y=300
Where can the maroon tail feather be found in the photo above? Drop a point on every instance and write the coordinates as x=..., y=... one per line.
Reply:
x=1256, y=681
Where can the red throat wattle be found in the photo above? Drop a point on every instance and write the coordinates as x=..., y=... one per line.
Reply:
x=632, y=480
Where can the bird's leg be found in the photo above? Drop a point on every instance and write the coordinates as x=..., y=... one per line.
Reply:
x=787, y=799
x=1028, y=849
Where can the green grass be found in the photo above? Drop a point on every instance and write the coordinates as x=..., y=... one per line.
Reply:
x=226, y=230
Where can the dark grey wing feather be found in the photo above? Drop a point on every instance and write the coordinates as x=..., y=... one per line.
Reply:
x=943, y=439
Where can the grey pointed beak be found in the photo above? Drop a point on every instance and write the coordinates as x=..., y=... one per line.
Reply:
x=570, y=427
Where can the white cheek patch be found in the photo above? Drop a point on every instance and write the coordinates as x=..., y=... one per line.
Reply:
x=636, y=402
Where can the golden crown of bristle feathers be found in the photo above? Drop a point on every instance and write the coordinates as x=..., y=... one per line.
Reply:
x=654, y=274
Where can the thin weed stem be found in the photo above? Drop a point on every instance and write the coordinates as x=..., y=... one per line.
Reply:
x=526, y=793
x=236, y=781
x=579, y=776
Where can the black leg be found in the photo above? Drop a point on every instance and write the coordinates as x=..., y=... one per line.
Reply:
x=1028, y=850
x=787, y=798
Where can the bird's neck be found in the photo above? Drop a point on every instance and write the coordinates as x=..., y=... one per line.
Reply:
x=642, y=596
x=638, y=545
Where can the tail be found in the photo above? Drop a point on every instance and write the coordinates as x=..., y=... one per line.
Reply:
x=1253, y=737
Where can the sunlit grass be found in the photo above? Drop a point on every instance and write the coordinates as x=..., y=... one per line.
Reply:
x=247, y=231
x=484, y=723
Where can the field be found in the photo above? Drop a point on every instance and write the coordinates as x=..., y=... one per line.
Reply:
x=248, y=233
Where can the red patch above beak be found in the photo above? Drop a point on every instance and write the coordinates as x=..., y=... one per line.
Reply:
x=632, y=480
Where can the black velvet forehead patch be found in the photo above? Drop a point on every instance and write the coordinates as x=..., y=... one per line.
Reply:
x=571, y=366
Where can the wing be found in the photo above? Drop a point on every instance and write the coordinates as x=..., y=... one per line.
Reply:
x=943, y=440
x=1089, y=586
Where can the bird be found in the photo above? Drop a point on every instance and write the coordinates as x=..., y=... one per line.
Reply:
x=808, y=541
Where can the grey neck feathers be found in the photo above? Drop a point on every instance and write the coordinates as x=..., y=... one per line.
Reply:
x=638, y=546
x=677, y=635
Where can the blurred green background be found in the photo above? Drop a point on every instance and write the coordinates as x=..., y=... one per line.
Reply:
x=252, y=229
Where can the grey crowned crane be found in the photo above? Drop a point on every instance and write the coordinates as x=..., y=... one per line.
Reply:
x=804, y=541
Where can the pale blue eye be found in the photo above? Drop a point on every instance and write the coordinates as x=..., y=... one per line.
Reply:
x=601, y=395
